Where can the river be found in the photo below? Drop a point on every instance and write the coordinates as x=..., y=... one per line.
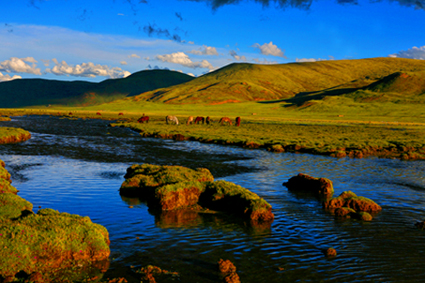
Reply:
x=77, y=166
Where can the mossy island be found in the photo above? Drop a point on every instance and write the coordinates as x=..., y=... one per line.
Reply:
x=176, y=187
x=13, y=135
x=47, y=246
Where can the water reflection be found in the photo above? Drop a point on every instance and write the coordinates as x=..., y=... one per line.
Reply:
x=77, y=167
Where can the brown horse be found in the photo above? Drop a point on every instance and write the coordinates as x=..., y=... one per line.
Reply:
x=98, y=113
x=238, y=121
x=199, y=119
x=143, y=119
x=225, y=120
x=189, y=120
x=120, y=114
x=208, y=120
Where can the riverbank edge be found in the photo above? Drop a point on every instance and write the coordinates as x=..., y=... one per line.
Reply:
x=402, y=153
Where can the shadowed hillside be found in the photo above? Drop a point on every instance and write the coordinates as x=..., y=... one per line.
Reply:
x=30, y=92
x=251, y=82
x=398, y=87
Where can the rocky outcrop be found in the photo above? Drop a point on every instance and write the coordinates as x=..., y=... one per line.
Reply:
x=305, y=183
x=330, y=252
x=41, y=245
x=228, y=271
x=346, y=212
x=351, y=200
x=174, y=187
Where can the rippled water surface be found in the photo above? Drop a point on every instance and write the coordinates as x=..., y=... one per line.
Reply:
x=78, y=166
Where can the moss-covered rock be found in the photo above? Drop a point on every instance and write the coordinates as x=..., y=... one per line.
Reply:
x=175, y=187
x=6, y=187
x=50, y=240
x=142, y=180
x=4, y=174
x=364, y=216
x=179, y=195
x=305, y=183
x=45, y=243
x=344, y=212
x=229, y=197
x=351, y=200
x=12, y=206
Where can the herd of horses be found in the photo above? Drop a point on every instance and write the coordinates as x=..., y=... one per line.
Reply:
x=191, y=120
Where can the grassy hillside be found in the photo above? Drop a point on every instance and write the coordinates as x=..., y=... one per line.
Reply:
x=30, y=92
x=250, y=82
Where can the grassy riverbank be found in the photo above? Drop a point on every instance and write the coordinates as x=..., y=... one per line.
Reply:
x=384, y=130
x=326, y=138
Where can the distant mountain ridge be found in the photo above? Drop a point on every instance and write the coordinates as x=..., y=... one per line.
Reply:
x=297, y=84
x=240, y=82
x=31, y=92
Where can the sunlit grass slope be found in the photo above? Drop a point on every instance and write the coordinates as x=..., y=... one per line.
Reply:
x=251, y=82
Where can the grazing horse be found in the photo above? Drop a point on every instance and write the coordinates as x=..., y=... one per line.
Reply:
x=208, y=120
x=170, y=118
x=70, y=113
x=199, y=119
x=98, y=113
x=225, y=120
x=189, y=120
x=120, y=114
x=238, y=121
x=143, y=119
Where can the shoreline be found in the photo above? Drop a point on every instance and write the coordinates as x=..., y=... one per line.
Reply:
x=402, y=152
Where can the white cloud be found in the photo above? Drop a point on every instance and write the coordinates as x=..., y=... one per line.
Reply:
x=134, y=56
x=184, y=60
x=270, y=49
x=412, y=53
x=19, y=65
x=123, y=63
x=5, y=78
x=46, y=62
x=87, y=70
x=205, y=50
x=236, y=56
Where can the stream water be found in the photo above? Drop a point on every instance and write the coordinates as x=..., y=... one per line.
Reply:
x=77, y=166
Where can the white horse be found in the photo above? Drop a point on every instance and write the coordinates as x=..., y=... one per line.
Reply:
x=170, y=118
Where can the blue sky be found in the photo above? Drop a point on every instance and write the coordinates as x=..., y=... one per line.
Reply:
x=98, y=40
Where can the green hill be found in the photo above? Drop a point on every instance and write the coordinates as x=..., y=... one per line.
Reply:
x=296, y=82
x=31, y=92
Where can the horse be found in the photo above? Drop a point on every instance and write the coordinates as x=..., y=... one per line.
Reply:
x=143, y=119
x=208, y=120
x=98, y=113
x=238, y=121
x=170, y=118
x=189, y=120
x=225, y=120
x=199, y=119
x=120, y=114
x=70, y=113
